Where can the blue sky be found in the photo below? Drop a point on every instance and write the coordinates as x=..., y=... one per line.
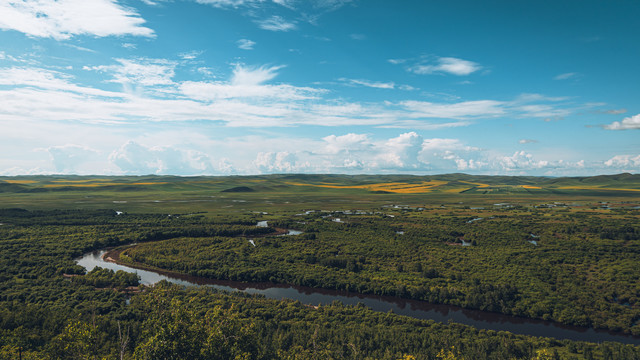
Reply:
x=216, y=87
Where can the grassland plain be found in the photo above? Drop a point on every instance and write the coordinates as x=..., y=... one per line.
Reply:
x=564, y=249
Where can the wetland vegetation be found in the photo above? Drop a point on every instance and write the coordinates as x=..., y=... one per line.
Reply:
x=560, y=249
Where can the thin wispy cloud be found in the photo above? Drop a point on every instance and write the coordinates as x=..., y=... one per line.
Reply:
x=64, y=19
x=190, y=55
x=244, y=75
x=230, y=3
x=367, y=83
x=147, y=72
x=610, y=111
x=247, y=98
x=527, y=141
x=460, y=110
x=567, y=76
x=276, y=23
x=446, y=65
x=245, y=44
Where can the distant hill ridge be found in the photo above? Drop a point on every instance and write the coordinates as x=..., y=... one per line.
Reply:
x=380, y=184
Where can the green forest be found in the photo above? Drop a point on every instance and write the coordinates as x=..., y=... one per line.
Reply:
x=553, y=250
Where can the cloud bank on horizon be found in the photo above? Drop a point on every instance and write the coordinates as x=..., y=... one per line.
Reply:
x=216, y=87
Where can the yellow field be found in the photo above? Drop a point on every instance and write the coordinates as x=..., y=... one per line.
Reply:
x=531, y=187
x=101, y=184
x=480, y=185
x=397, y=187
x=593, y=188
x=20, y=181
x=79, y=181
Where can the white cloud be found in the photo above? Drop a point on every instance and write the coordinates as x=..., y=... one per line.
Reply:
x=246, y=99
x=480, y=108
x=520, y=160
x=540, y=106
x=80, y=48
x=230, y=3
x=277, y=162
x=438, y=144
x=133, y=158
x=245, y=44
x=567, y=76
x=447, y=65
x=216, y=91
x=70, y=157
x=45, y=79
x=532, y=97
x=610, y=111
x=347, y=143
x=628, y=123
x=5, y=56
x=142, y=71
x=243, y=75
x=624, y=161
x=372, y=84
x=206, y=71
x=247, y=82
x=527, y=141
x=397, y=61
x=276, y=23
x=401, y=152
x=63, y=19
x=190, y=55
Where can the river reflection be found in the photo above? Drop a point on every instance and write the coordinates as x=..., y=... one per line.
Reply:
x=412, y=308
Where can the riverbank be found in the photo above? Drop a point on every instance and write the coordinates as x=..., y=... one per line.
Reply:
x=412, y=308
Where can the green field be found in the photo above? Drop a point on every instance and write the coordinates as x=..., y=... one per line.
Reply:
x=560, y=249
x=295, y=192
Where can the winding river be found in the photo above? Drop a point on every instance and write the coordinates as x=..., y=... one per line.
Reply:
x=412, y=308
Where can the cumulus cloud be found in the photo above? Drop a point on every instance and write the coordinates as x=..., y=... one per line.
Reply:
x=347, y=143
x=628, y=123
x=134, y=158
x=521, y=160
x=407, y=152
x=449, y=65
x=277, y=162
x=276, y=23
x=245, y=44
x=401, y=152
x=63, y=19
x=70, y=157
x=623, y=161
